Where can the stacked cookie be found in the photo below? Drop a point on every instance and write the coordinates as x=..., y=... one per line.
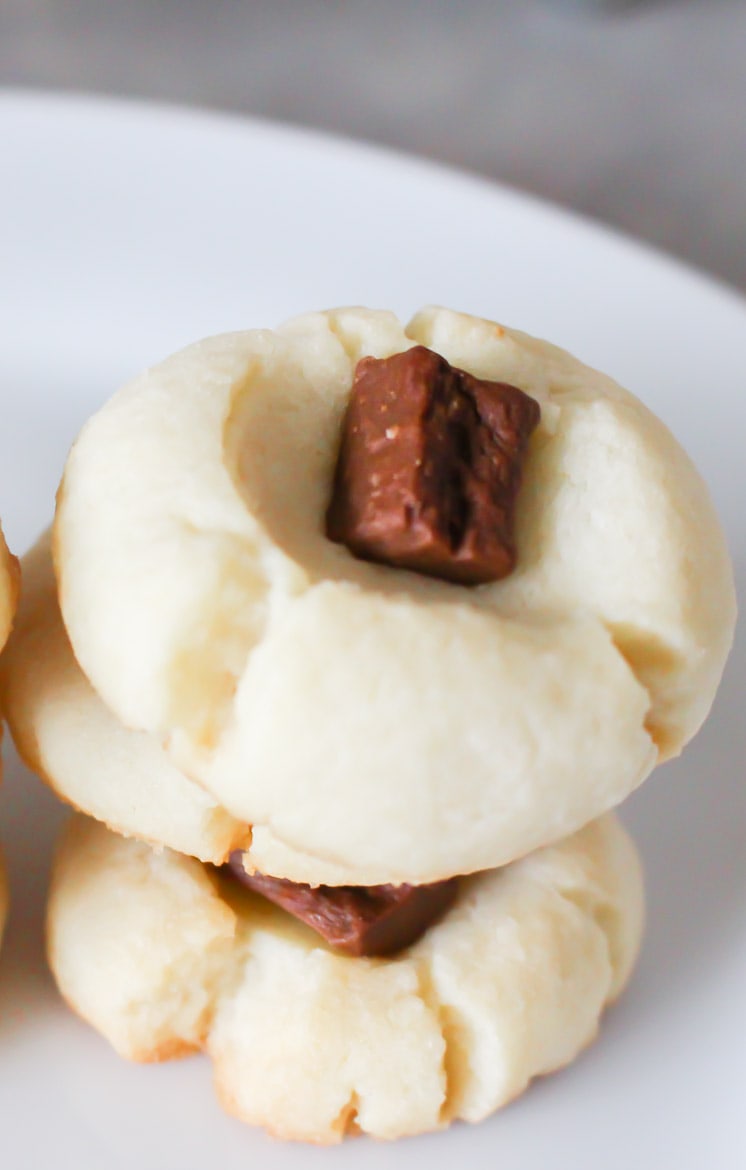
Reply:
x=379, y=623
x=9, y=582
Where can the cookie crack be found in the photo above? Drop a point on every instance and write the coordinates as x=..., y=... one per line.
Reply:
x=350, y=343
x=654, y=663
x=347, y=343
x=451, y=1027
x=346, y=1120
x=605, y=916
x=216, y=648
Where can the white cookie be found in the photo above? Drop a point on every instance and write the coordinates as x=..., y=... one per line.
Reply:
x=163, y=958
x=366, y=717
x=64, y=732
x=9, y=587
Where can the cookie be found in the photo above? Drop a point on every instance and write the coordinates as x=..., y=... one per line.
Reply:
x=375, y=720
x=65, y=734
x=163, y=956
x=9, y=588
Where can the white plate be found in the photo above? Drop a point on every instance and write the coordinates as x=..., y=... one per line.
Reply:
x=127, y=231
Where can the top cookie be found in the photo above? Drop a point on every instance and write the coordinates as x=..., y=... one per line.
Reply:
x=374, y=718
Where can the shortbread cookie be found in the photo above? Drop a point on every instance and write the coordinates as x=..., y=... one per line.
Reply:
x=63, y=732
x=9, y=586
x=10, y=581
x=163, y=956
x=390, y=725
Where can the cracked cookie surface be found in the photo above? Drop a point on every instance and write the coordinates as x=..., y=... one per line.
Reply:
x=365, y=720
x=65, y=734
x=164, y=957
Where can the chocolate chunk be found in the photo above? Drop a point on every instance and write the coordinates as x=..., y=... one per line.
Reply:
x=359, y=920
x=429, y=468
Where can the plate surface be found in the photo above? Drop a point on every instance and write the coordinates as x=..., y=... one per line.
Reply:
x=127, y=231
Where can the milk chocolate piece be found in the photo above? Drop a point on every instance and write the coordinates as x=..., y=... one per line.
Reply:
x=359, y=920
x=429, y=468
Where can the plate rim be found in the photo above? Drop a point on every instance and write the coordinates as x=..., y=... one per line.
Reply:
x=82, y=102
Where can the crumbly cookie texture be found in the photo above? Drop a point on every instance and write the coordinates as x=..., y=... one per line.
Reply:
x=364, y=719
x=65, y=734
x=162, y=958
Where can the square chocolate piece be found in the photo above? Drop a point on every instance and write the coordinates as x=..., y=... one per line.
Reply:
x=358, y=920
x=429, y=468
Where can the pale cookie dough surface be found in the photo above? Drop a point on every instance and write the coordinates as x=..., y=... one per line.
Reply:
x=124, y=778
x=9, y=587
x=65, y=733
x=162, y=957
x=367, y=718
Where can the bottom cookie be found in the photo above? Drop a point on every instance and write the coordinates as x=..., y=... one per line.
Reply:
x=164, y=956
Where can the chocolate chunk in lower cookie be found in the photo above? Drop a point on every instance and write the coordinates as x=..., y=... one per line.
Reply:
x=429, y=468
x=359, y=920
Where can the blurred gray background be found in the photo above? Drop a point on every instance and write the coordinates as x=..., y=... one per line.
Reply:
x=633, y=113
